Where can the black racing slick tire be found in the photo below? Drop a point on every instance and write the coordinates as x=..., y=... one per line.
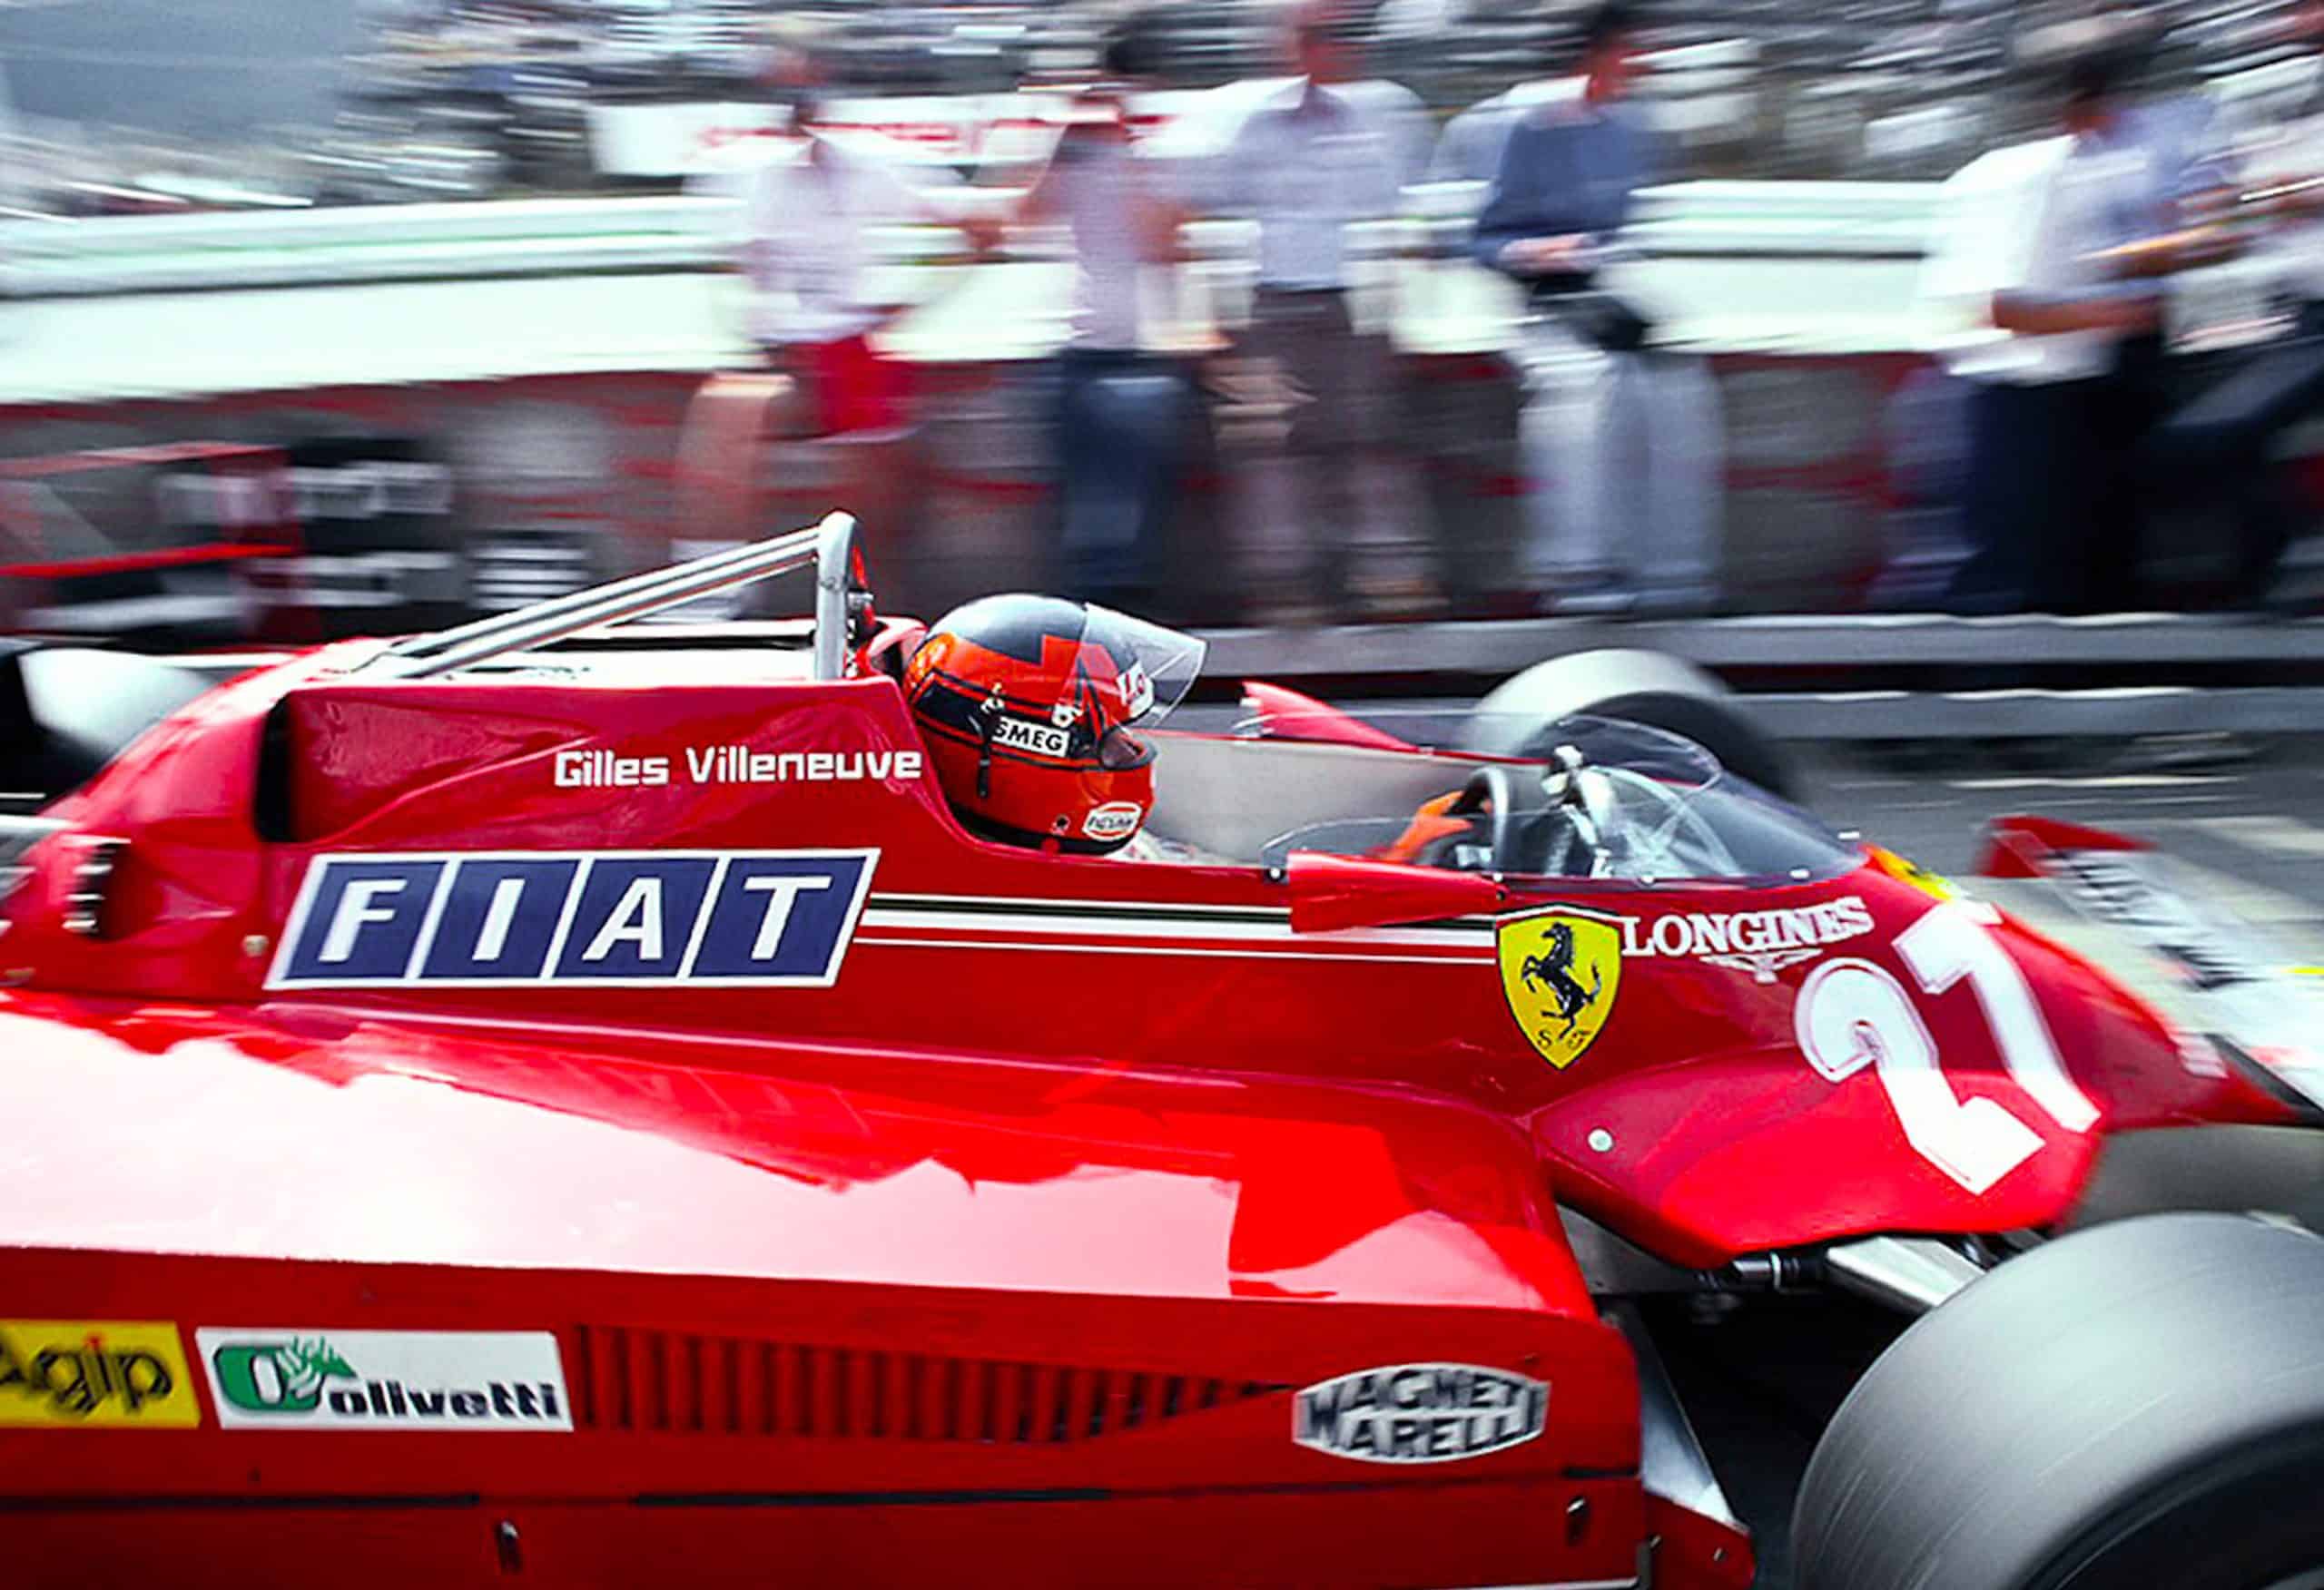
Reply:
x=2138, y=1405
x=1653, y=688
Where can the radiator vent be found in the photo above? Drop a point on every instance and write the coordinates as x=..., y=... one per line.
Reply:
x=669, y=1381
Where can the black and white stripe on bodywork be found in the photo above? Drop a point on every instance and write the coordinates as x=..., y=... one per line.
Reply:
x=1156, y=928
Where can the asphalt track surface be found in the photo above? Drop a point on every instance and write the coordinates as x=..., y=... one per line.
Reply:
x=2251, y=810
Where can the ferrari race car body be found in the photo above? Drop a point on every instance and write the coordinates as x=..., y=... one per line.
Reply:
x=527, y=1104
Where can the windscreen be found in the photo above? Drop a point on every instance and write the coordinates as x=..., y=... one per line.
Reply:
x=1598, y=799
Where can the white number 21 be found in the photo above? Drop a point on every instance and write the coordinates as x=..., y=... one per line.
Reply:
x=1852, y=1014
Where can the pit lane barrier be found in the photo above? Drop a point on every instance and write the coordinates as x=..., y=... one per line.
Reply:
x=1905, y=658
x=1939, y=717
x=50, y=257
x=1492, y=648
x=1378, y=663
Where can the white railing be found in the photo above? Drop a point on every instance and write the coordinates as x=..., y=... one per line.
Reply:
x=557, y=237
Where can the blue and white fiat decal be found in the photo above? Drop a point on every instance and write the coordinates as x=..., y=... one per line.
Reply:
x=589, y=918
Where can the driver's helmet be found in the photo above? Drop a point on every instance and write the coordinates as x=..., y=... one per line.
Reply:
x=1027, y=704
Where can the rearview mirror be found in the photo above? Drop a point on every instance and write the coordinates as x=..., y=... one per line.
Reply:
x=1330, y=892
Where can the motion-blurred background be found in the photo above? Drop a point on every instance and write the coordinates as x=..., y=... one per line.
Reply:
x=327, y=316
x=334, y=101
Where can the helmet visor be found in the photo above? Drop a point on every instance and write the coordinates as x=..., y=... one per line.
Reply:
x=1149, y=669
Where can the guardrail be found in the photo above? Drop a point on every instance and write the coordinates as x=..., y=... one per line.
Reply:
x=533, y=237
x=1856, y=219
x=1881, y=650
x=1847, y=640
x=42, y=258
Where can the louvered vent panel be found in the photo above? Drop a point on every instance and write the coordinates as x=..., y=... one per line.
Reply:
x=670, y=1382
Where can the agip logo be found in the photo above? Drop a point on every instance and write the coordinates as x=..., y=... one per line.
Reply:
x=1560, y=970
x=779, y=918
x=112, y=1374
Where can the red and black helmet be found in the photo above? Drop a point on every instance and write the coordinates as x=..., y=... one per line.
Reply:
x=1027, y=704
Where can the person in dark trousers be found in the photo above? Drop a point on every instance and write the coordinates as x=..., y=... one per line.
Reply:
x=1123, y=412
x=1622, y=440
x=1322, y=154
x=2045, y=258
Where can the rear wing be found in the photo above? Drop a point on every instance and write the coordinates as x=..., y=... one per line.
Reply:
x=2238, y=966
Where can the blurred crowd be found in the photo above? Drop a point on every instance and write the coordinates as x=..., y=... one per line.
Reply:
x=2086, y=391
x=2123, y=289
x=2096, y=391
x=1621, y=436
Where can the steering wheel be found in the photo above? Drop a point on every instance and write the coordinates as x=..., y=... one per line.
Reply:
x=1491, y=789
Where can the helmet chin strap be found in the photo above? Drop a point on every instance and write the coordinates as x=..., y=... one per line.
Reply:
x=989, y=717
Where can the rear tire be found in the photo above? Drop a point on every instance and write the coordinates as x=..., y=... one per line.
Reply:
x=1653, y=688
x=2137, y=1405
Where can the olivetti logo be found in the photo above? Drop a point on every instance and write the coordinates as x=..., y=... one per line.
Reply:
x=461, y=1380
x=779, y=918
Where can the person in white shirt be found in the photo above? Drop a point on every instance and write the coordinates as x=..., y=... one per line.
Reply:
x=1322, y=154
x=810, y=215
x=2031, y=290
x=1123, y=411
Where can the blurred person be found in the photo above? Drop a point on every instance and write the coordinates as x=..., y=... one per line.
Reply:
x=809, y=212
x=1122, y=409
x=2288, y=187
x=2189, y=177
x=1623, y=442
x=2222, y=440
x=2158, y=107
x=1320, y=154
x=2046, y=257
x=2181, y=178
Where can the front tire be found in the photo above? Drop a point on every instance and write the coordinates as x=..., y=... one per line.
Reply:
x=1653, y=688
x=2137, y=1405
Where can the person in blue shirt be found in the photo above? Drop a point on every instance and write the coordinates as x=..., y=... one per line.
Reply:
x=1621, y=440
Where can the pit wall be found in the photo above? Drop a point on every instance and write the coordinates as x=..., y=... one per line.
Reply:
x=413, y=503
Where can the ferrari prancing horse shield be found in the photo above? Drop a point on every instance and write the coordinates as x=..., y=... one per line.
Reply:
x=1561, y=971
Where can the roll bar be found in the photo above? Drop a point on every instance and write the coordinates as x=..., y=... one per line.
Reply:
x=830, y=546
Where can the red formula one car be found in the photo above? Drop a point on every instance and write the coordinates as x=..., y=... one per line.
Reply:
x=557, y=1104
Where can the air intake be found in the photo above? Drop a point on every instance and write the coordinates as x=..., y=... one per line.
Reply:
x=675, y=1383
